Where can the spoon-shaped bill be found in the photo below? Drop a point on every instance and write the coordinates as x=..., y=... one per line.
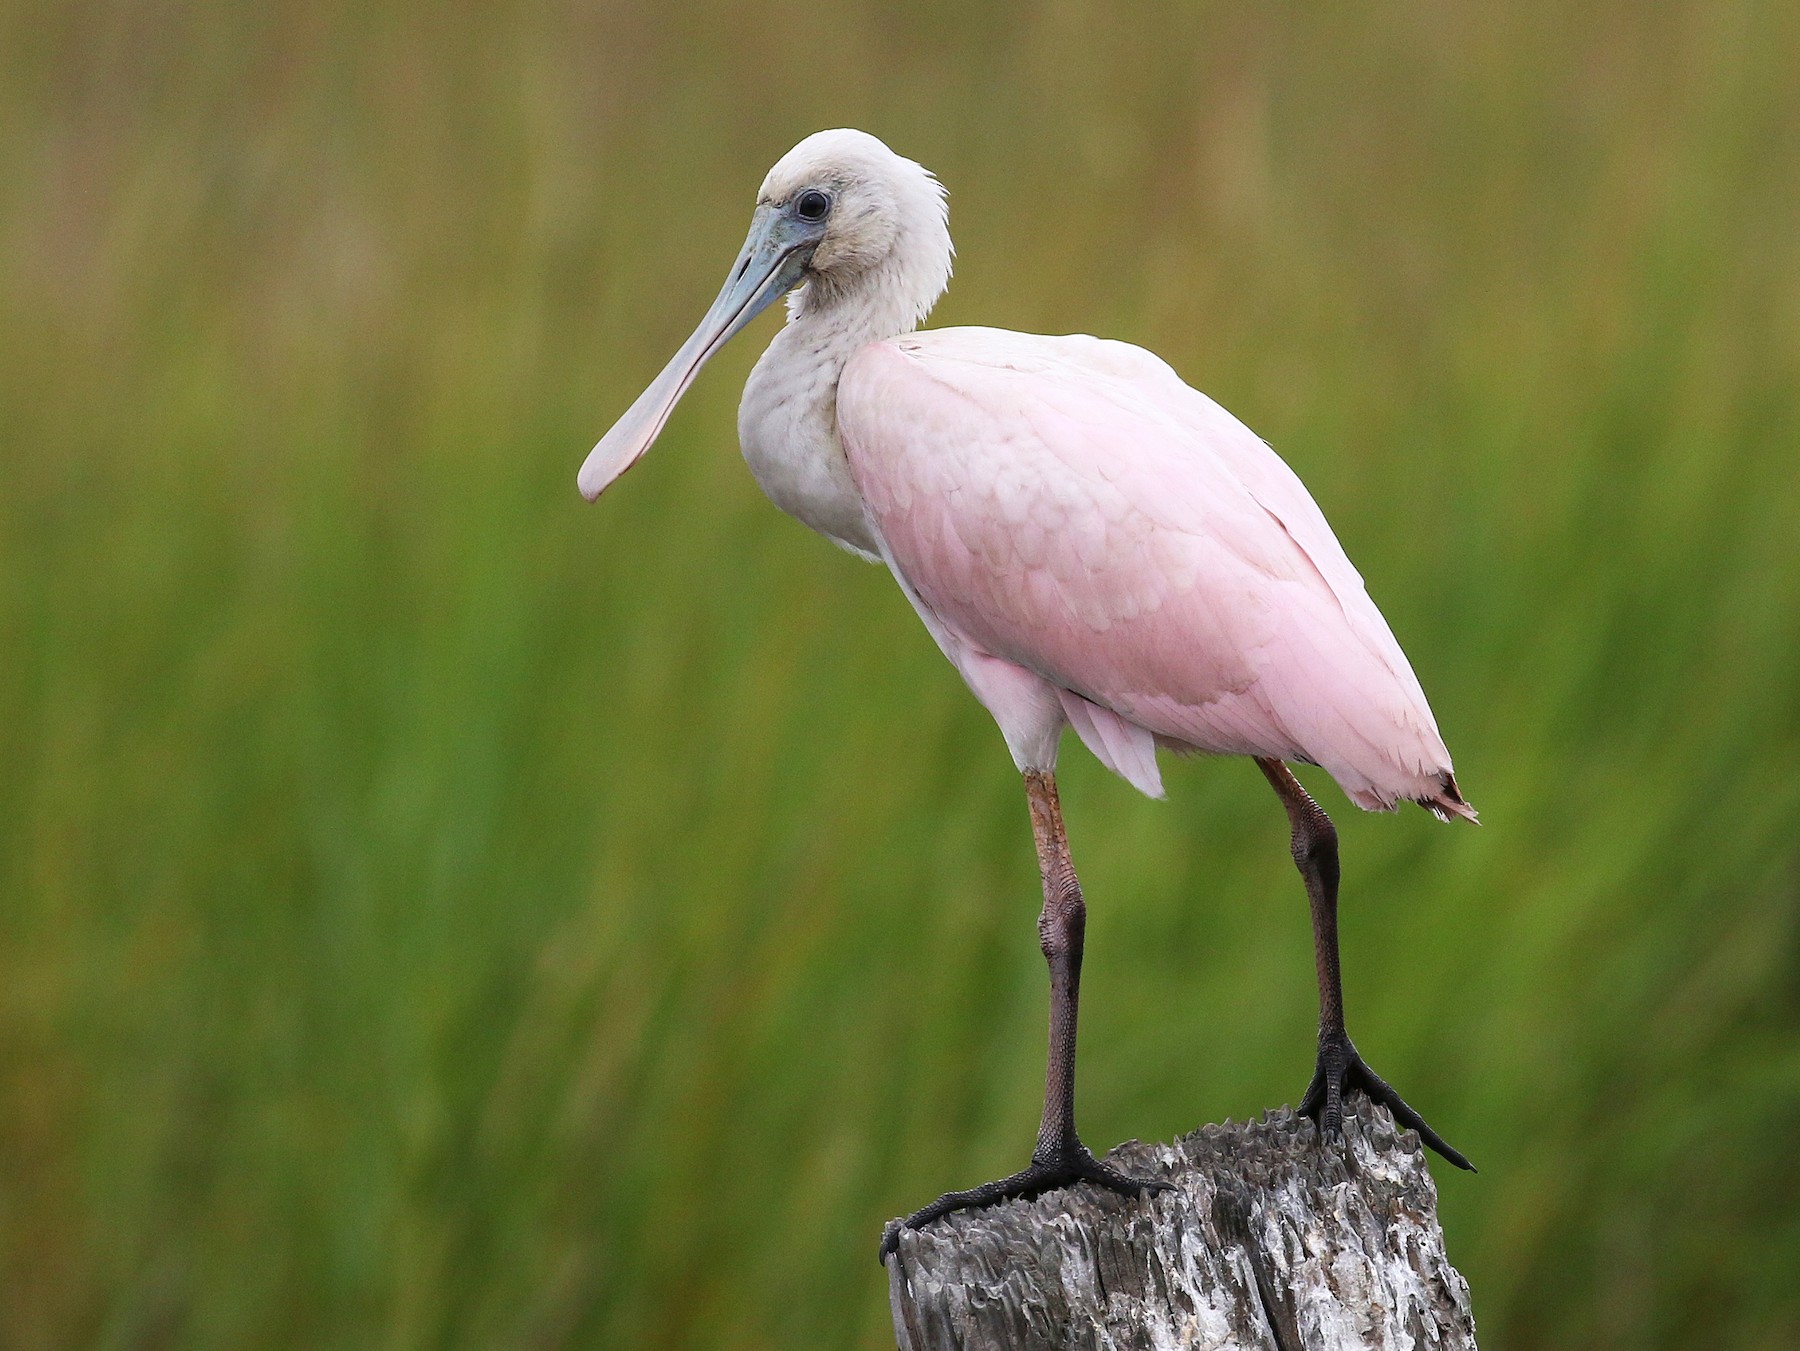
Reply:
x=772, y=263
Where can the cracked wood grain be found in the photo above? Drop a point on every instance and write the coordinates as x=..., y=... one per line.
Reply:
x=1269, y=1243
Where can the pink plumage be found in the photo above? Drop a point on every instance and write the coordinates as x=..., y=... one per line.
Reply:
x=1069, y=507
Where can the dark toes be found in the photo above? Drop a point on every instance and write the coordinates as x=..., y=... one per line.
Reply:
x=1341, y=1071
x=1113, y=1180
x=1071, y=1165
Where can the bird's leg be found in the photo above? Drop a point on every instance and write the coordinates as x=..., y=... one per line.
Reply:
x=1340, y=1069
x=1059, y=1158
x=1062, y=931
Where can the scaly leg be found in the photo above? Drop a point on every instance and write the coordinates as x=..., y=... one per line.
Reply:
x=1340, y=1068
x=1059, y=1158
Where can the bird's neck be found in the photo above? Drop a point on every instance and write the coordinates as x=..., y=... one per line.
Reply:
x=839, y=319
x=842, y=314
x=788, y=419
x=827, y=325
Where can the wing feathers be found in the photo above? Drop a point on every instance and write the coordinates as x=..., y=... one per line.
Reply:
x=1071, y=507
x=1123, y=747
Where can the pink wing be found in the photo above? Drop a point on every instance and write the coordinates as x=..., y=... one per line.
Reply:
x=1068, y=507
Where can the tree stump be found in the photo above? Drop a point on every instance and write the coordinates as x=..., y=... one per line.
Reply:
x=1269, y=1243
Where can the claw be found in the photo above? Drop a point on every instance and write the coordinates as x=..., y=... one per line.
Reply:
x=1341, y=1070
x=1071, y=1164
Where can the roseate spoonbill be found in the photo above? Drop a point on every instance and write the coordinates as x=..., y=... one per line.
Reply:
x=1090, y=541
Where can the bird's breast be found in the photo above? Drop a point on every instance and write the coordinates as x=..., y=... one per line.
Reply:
x=787, y=424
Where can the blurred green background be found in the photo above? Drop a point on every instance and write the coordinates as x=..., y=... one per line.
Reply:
x=434, y=913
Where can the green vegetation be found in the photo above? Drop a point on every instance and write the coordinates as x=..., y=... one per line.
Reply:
x=434, y=913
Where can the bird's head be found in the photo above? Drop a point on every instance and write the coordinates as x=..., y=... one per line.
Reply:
x=842, y=218
x=881, y=221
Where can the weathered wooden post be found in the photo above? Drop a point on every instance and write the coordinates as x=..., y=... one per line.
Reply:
x=1270, y=1243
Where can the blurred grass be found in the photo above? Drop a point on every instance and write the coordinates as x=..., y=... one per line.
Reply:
x=435, y=914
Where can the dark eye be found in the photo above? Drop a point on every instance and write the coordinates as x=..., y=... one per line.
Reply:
x=812, y=205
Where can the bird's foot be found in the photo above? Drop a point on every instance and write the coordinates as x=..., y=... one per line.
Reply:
x=1069, y=1163
x=1341, y=1071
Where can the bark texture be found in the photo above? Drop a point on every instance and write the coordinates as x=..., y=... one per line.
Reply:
x=1271, y=1243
